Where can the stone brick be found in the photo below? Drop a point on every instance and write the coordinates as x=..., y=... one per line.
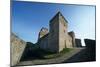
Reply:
x=78, y=42
x=58, y=36
x=17, y=48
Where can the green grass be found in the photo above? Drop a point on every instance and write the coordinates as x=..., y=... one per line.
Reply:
x=55, y=55
x=66, y=50
x=44, y=54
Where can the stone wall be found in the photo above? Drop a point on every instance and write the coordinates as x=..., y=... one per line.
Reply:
x=69, y=41
x=53, y=34
x=28, y=53
x=58, y=37
x=43, y=42
x=90, y=49
x=65, y=40
x=17, y=48
x=78, y=42
x=42, y=32
x=90, y=43
x=72, y=35
x=62, y=33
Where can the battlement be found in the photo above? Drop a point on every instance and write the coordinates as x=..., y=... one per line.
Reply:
x=58, y=36
x=43, y=32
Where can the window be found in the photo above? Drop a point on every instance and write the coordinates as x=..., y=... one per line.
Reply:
x=64, y=24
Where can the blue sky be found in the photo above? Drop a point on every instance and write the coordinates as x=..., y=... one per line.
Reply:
x=29, y=17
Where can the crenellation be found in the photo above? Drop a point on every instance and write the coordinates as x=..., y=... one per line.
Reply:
x=58, y=36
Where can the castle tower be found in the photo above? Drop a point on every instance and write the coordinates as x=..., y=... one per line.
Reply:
x=43, y=38
x=58, y=32
x=72, y=34
x=42, y=32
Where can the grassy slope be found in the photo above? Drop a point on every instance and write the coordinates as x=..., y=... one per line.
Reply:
x=48, y=55
x=34, y=52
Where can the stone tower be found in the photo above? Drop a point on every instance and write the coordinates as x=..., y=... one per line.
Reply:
x=72, y=34
x=58, y=36
x=43, y=38
x=42, y=32
x=58, y=32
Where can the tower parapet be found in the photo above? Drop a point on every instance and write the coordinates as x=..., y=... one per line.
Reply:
x=72, y=34
x=42, y=32
x=58, y=36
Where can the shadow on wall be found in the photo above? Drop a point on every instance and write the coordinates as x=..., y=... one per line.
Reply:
x=28, y=52
x=32, y=51
x=78, y=42
x=86, y=54
x=91, y=48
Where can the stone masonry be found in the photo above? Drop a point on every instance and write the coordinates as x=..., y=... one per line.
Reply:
x=17, y=48
x=57, y=37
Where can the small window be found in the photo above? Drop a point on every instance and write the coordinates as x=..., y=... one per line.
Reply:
x=64, y=24
x=69, y=40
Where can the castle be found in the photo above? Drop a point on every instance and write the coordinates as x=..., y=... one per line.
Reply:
x=57, y=37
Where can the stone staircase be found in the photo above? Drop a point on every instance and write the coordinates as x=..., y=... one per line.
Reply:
x=57, y=60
